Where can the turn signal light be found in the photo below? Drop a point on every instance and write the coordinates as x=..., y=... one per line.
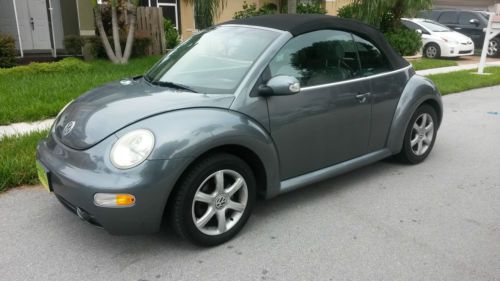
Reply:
x=114, y=200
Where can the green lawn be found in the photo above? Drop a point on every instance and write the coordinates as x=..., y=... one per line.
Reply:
x=460, y=81
x=35, y=93
x=424, y=63
x=17, y=158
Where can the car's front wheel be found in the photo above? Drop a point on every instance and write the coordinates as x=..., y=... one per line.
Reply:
x=420, y=135
x=214, y=200
x=432, y=51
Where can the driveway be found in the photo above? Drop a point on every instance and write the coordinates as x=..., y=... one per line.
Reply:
x=439, y=220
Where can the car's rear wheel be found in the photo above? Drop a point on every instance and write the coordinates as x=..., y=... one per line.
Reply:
x=493, y=47
x=214, y=200
x=420, y=135
x=432, y=51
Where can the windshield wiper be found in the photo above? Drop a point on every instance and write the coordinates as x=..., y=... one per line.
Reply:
x=173, y=85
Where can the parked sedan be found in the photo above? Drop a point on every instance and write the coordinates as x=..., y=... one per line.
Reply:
x=248, y=108
x=440, y=41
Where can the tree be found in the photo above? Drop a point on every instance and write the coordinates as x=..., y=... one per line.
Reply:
x=387, y=14
x=205, y=11
x=116, y=55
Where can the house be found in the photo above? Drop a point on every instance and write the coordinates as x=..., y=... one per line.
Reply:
x=39, y=26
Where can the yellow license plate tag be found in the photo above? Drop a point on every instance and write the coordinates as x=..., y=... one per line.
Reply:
x=42, y=176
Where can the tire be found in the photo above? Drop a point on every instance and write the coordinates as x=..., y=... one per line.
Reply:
x=494, y=47
x=432, y=51
x=419, y=140
x=214, y=202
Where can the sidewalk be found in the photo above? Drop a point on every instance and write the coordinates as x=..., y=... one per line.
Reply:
x=454, y=68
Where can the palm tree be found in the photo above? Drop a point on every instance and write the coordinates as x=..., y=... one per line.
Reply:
x=205, y=11
x=375, y=12
x=116, y=55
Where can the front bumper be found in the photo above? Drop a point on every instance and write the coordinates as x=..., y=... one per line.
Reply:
x=457, y=50
x=76, y=175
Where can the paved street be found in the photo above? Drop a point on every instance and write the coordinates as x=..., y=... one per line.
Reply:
x=436, y=221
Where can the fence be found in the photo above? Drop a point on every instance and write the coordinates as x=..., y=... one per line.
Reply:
x=150, y=23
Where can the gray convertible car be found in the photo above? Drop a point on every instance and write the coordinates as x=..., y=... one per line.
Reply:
x=249, y=108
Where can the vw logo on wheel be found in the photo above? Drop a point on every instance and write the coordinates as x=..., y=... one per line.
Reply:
x=220, y=201
x=68, y=128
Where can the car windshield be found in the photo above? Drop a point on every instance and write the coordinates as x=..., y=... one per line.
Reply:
x=434, y=26
x=214, y=61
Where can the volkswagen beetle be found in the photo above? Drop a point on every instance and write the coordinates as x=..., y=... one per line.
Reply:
x=249, y=108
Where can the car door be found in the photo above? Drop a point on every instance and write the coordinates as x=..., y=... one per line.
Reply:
x=329, y=120
x=472, y=29
x=386, y=87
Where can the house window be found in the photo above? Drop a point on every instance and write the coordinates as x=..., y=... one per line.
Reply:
x=170, y=9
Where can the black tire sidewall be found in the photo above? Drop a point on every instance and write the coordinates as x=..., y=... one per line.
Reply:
x=189, y=186
x=407, y=153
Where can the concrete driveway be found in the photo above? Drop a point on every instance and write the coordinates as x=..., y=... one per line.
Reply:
x=436, y=221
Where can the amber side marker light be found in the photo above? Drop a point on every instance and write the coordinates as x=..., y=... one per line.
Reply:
x=114, y=200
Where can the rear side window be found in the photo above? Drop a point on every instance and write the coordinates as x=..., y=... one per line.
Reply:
x=466, y=17
x=372, y=59
x=448, y=17
x=316, y=58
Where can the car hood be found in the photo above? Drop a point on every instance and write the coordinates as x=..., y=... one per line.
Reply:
x=104, y=110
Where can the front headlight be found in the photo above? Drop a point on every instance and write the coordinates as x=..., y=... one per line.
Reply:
x=132, y=149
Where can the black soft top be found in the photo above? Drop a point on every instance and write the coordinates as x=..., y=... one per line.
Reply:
x=299, y=24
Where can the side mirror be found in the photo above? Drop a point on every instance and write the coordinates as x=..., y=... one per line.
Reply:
x=474, y=22
x=419, y=31
x=280, y=85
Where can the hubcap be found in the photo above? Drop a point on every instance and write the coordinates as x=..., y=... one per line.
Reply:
x=492, y=48
x=431, y=51
x=219, y=202
x=422, y=134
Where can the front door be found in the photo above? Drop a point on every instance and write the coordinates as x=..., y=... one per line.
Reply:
x=328, y=122
x=472, y=29
x=33, y=24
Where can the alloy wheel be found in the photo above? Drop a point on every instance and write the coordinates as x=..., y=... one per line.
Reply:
x=219, y=202
x=492, y=48
x=422, y=134
x=431, y=52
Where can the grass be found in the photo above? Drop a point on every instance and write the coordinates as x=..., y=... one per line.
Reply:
x=35, y=93
x=460, y=81
x=17, y=155
x=422, y=64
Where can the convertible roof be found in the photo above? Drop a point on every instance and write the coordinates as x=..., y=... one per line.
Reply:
x=299, y=24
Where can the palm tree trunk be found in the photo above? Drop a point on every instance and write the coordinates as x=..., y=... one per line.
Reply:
x=104, y=37
x=116, y=33
x=131, y=33
x=292, y=6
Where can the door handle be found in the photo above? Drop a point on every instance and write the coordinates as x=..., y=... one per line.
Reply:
x=363, y=97
x=32, y=22
x=458, y=28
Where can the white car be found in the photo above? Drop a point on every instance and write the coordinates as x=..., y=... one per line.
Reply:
x=438, y=40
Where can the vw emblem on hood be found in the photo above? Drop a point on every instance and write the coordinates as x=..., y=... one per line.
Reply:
x=68, y=128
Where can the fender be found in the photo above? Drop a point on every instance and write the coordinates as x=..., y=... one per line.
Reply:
x=191, y=132
x=417, y=91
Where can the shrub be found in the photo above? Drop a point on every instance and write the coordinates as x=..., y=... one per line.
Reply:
x=73, y=44
x=64, y=65
x=348, y=11
x=250, y=10
x=405, y=41
x=310, y=8
x=94, y=47
x=171, y=35
x=7, y=51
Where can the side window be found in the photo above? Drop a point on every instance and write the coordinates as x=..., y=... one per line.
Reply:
x=372, y=60
x=318, y=57
x=448, y=18
x=466, y=17
x=413, y=26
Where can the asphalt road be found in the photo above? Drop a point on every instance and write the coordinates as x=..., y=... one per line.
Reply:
x=439, y=220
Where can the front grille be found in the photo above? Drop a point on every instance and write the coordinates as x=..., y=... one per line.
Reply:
x=464, y=52
x=82, y=214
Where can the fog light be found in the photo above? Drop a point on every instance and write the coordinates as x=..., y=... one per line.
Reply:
x=114, y=200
